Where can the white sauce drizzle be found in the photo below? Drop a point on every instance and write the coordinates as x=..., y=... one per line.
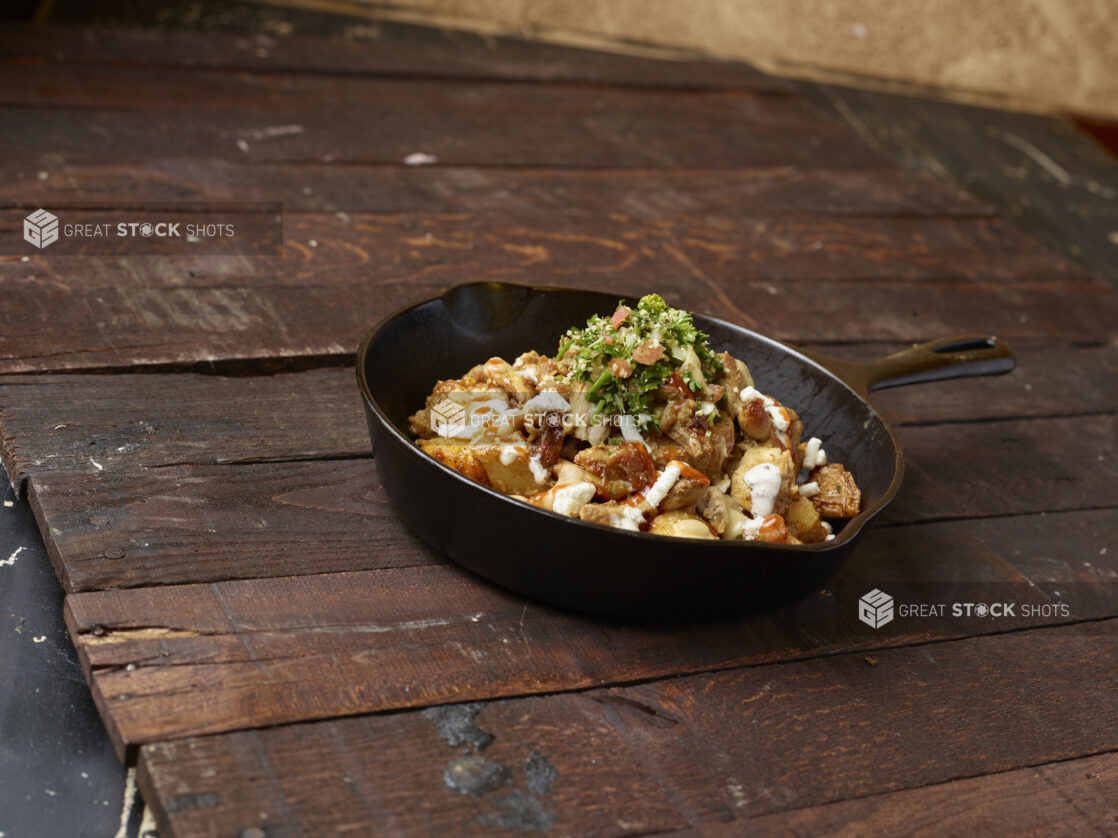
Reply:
x=656, y=493
x=764, y=486
x=569, y=500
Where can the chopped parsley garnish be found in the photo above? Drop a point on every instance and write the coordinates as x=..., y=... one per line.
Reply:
x=625, y=358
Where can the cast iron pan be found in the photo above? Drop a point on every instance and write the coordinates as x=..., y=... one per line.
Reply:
x=611, y=572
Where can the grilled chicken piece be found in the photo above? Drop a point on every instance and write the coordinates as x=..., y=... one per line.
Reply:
x=735, y=378
x=722, y=512
x=620, y=470
x=541, y=372
x=613, y=514
x=681, y=524
x=839, y=496
x=688, y=488
x=501, y=374
x=687, y=439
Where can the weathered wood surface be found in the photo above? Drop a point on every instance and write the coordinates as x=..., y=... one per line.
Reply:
x=140, y=421
x=330, y=250
x=561, y=127
x=274, y=651
x=1060, y=798
x=1048, y=176
x=642, y=194
x=500, y=59
x=666, y=755
x=239, y=566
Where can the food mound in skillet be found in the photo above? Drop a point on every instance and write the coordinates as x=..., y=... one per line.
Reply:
x=637, y=424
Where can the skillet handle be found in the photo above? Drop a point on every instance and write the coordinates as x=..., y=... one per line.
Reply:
x=965, y=356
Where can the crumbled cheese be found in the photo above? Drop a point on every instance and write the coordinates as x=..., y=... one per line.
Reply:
x=723, y=484
x=569, y=500
x=598, y=434
x=764, y=486
x=539, y=470
x=809, y=490
x=656, y=493
x=750, y=393
x=549, y=401
x=821, y=458
x=750, y=529
x=811, y=453
x=707, y=408
x=510, y=453
x=629, y=430
x=830, y=537
x=627, y=518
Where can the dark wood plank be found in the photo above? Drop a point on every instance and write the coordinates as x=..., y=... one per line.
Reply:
x=49, y=327
x=170, y=525
x=1060, y=798
x=976, y=468
x=720, y=244
x=1041, y=171
x=139, y=421
x=499, y=58
x=641, y=194
x=1050, y=380
x=651, y=758
x=273, y=651
x=271, y=119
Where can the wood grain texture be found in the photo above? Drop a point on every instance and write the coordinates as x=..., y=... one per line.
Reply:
x=1041, y=171
x=375, y=121
x=1075, y=797
x=188, y=660
x=141, y=421
x=121, y=328
x=642, y=194
x=499, y=59
x=180, y=524
x=662, y=245
x=652, y=758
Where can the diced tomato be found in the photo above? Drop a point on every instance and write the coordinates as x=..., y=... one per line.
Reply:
x=773, y=529
x=620, y=316
x=648, y=352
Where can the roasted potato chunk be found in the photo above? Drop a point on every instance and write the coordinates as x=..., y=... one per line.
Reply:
x=839, y=496
x=742, y=489
x=511, y=470
x=681, y=524
x=804, y=522
x=458, y=455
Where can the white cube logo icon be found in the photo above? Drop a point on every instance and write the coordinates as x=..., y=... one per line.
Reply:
x=448, y=418
x=875, y=609
x=40, y=228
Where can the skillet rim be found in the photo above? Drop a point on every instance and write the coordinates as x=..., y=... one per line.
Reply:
x=850, y=532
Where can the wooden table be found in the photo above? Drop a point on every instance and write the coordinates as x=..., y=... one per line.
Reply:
x=281, y=656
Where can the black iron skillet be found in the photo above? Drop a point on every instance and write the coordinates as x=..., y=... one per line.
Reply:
x=606, y=571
